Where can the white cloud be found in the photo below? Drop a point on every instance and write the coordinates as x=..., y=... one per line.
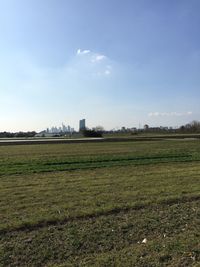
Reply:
x=99, y=66
x=171, y=114
x=82, y=52
x=95, y=57
x=107, y=72
x=98, y=58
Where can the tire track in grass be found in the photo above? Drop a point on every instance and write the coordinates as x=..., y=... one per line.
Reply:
x=39, y=167
x=113, y=240
x=115, y=210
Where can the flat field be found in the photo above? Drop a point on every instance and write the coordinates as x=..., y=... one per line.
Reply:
x=100, y=204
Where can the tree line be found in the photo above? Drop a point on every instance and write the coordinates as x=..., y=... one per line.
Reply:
x=17, y=134
x=193, y=127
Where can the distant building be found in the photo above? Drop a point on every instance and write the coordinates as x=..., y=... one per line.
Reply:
x=133, y=129
x=82, y=124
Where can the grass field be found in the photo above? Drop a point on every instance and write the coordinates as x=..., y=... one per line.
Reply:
x=93, y=204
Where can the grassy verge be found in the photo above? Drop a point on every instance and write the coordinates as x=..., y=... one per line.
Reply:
x=99, y=212
x=111, y=240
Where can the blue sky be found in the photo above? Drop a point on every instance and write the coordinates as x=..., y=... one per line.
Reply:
x=116, y=63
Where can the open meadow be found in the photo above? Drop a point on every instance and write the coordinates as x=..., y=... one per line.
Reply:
x=100, y=204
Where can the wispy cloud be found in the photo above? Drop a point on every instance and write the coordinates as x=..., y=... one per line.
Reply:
x=107, y=72
x=82, y=52
x=169, y=114
x=97, y=58
x=96, y=62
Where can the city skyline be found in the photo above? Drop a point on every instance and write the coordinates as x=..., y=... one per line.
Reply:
x=57, y=129
x=114, y=63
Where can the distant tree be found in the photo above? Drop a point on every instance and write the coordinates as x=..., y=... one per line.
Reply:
x=98, y=129
x=146, y=127
x=192, y=127
x=91, y=133
x=195, y=126
x=182, y=129
x=18, y=134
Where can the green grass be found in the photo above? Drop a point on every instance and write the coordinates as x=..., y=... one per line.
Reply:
x=93, y=204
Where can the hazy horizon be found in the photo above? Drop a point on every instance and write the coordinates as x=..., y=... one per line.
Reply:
x=114, y=63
